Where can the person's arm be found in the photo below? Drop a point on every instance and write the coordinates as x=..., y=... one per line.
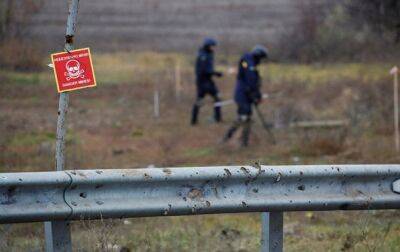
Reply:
x=209, y=67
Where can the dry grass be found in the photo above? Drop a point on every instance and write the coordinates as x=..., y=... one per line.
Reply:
x=112, y=126
x=19, y=55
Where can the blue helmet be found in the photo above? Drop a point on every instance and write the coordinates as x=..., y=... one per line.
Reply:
x=209, y=42
x=260, y=52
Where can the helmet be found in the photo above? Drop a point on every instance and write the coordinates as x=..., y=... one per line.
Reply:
x=208, y=42
x=260, y=51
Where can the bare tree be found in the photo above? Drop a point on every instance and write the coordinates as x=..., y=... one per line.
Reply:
x=15, y=16
x=17, y=50
x=381, y=15
x=300, y=41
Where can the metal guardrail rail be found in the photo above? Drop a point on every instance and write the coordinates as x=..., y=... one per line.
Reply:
x=73, y=195
x=91, y=194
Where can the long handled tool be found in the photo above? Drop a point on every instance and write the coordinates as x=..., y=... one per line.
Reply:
x=229, y=102
x=267, y=126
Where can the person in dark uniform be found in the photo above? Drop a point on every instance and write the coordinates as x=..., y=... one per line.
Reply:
x=204, y=79
x=247, y=92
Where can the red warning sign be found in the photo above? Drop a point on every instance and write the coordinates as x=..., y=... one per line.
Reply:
x=73, y=70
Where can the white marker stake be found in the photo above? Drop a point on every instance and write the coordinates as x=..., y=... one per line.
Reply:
x=156, y=104
x=395, y=73
x=178, y=85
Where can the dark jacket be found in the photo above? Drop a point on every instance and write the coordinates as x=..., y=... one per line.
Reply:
x=204, y=67
x=248, y=81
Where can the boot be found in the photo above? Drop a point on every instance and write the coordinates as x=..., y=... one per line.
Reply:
x=229, y=134
x=217, y=114
x=246, y=134
x=195, y=112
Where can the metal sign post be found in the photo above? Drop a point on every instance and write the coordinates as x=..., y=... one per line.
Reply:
x=272, y=232
x=58, y=233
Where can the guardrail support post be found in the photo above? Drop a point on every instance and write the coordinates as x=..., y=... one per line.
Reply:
x=58, y=233
x=58, y=236
x=272, y=232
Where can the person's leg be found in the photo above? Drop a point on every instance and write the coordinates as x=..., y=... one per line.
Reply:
x=213, y=91
x=246, y=132
x=231, y=131
x=217, y=110
x=196, y=106
x=245, y=117
x=242, y=117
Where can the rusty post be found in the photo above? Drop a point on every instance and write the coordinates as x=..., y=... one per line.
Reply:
x=272, y=232
x=58, y=233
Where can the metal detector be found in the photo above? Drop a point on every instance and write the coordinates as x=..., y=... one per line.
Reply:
x=266, y=126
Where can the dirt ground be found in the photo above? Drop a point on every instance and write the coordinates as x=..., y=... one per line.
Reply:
x=113, y=126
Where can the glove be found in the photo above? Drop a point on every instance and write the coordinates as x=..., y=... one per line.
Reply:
x=256, y=98
x=218, y=74
x=258, y=101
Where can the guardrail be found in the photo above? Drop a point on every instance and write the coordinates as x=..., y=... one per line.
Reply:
x=91, y=194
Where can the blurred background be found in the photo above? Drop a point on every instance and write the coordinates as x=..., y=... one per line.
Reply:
x=331, y=101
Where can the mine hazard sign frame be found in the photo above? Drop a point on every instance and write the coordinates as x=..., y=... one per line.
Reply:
x=73, y=70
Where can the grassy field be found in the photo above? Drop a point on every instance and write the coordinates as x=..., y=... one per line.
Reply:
x=112, y=126
x=166, y=25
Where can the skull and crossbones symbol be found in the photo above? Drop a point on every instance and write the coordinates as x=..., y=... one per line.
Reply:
x=74, y=70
